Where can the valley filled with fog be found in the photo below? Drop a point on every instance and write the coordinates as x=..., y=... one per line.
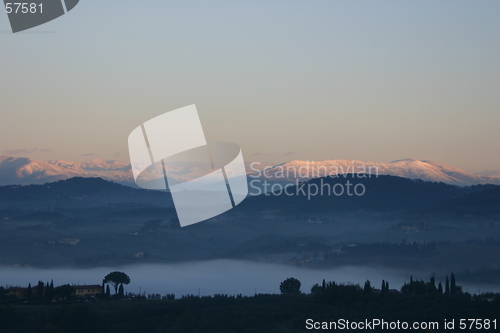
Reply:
x=231, y=277
x=400, y=227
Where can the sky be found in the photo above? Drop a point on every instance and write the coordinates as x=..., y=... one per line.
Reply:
x=308, y=80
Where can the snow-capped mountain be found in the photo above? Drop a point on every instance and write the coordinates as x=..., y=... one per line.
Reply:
x=407, y=168
x=25, y=171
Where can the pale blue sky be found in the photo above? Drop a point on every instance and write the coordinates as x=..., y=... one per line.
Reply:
x=368, y=80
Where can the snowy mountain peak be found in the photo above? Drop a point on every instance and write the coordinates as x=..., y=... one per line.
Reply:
x=24, y=171
x=407, y=168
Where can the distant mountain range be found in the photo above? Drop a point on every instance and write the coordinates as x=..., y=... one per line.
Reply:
x=26, y=171
x=406, y=168
x=80, y=192
x=111, y=223
x=383, y=194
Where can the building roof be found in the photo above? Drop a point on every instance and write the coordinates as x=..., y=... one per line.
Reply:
x=88, y=286
x=18, y=288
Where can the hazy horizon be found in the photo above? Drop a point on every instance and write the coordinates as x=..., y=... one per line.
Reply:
x=260, y=164
x=224, y=276
x=283, y=80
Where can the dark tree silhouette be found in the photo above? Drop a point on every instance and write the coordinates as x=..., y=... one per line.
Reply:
x=447, y=286
x=431, y=286
x=117, y=278
x=47, y=291
x=368, y=287
x=385, y=287
x=29, y=292
x=440, y=288
x=415, y=287
x=453, y=285
x=64, y=291
x=433, y=283
x=108, y=293
x=40, y=289
x=120, y=290
x=290, y=286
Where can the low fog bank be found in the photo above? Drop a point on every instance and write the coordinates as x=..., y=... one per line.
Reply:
x=222, y=277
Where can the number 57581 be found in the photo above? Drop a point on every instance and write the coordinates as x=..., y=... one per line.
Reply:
x=23, y=7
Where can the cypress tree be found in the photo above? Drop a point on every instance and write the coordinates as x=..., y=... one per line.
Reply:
x=431, y=286
x=447, y=286
x=453, y=286
x=440, y=288
x=40, y=289
x=385, y=287
x=51, y=290
x=47, y=291
x=120, y=290
x=29, y=292
x=368, y=287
